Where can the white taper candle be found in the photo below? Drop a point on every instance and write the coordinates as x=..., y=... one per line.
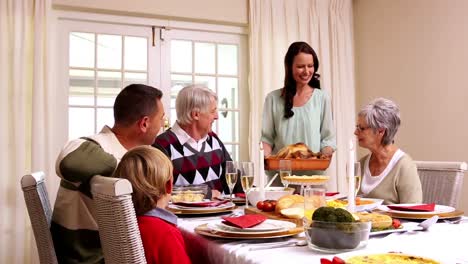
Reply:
x=261, y=173
x=351, y=179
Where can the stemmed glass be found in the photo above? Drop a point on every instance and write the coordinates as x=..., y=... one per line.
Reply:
x=284, y=171
x=358, y=175
x=357, y=178
x=231, y=175
x=247, y=178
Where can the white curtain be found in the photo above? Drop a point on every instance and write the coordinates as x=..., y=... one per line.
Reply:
x=327, y=26
x=29, y=138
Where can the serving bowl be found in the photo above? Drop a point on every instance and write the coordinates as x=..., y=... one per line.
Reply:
x=335, y=237
x=271, y=193
x=189, y=193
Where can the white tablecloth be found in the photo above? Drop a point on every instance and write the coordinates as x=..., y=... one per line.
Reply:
x=443, y=242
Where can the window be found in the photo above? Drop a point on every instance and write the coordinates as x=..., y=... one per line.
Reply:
x=103, y=58
x=213, y=60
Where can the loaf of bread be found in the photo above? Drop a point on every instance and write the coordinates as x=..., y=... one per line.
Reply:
x=289, y=201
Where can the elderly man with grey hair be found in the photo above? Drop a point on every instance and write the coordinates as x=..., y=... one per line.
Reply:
x=196, y=152
x=388, y=173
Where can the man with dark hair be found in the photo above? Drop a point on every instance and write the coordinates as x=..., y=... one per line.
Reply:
x=138, y=116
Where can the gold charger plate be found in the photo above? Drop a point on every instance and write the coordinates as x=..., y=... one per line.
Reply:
x=206, y=231
x=199, y=211
x=390, y=258
x=453, y=214
x=298, y=164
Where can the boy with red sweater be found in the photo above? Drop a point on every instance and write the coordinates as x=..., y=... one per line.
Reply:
x=150, y=173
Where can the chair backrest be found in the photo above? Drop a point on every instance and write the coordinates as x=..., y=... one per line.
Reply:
x=441, y=181
x=40, y=214
x=115, y=215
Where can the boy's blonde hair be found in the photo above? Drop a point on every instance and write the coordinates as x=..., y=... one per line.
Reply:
x=148, y=170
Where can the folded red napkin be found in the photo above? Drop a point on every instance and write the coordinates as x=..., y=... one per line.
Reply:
x=202, y=204
x=331, y=193
x=244, y=221
x=418, y=207
x=240, y=195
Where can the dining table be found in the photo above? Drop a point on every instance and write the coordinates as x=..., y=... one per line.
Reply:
x=444, y=242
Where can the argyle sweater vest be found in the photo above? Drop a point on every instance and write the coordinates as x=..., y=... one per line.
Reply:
x=196, y=167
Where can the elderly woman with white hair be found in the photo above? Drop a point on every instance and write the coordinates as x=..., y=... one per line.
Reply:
x=388, y=173
x=198, y=155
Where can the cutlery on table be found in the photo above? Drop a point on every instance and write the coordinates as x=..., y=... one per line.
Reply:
x=296, y=243
x=424, y=225
x=456, y=221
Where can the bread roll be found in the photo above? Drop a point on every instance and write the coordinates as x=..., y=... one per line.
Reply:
x=378, y=220
x=294, y=213
x=289, y=201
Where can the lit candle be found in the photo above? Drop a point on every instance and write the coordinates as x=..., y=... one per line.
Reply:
x=351, y=178
x=261, y=173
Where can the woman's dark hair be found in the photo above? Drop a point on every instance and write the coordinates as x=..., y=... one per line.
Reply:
x=289, y=89
x=134, y=102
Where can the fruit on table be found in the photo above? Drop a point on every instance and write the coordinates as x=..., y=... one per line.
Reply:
x=266, y=205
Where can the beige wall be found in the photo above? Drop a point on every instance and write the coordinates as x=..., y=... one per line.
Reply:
x=415, y=52
x=230, y=12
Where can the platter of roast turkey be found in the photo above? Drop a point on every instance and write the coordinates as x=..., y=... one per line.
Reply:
x=302, y=158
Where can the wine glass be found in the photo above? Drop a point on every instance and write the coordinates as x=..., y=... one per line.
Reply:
x=231, y=175
x=357, y=178
x=284, y=171
x=358, y=175
x=247, y=178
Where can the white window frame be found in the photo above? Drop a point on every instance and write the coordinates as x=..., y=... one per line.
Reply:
x=218, y=38
x=73, y=21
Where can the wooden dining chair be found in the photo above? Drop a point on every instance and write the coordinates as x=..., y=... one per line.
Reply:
x=40, y=214
x=441, y=181
x=116, y=218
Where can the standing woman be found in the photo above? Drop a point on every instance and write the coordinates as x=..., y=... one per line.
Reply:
x=388, y=172
x=300, y=111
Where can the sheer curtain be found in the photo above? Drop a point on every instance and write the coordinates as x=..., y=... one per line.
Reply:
x=327, y=27
x=29, y=138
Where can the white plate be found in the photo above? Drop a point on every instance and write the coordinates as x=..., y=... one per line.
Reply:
x=438, y=209
x=267, y=225
x=234, y=199
x=219, y=226
x=389, y=231
x=214, y=208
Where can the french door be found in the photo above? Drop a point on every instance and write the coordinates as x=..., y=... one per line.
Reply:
x=99, y=59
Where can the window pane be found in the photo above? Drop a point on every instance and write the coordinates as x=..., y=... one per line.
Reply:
x=181, y=56
x=109, y=85
x=205, y=58
x=177, y=83
x=233, y=151
x=227, y=59
x=77, y=128
x=105, y=116
x=132, y=77
x=207, y=81
x=81, y=87
x=136, y=53
x=227, y=93
x=109, y=52
x=81, y=50
x=228, y=121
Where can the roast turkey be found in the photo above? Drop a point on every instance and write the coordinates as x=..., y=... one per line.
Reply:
x=296, y=151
